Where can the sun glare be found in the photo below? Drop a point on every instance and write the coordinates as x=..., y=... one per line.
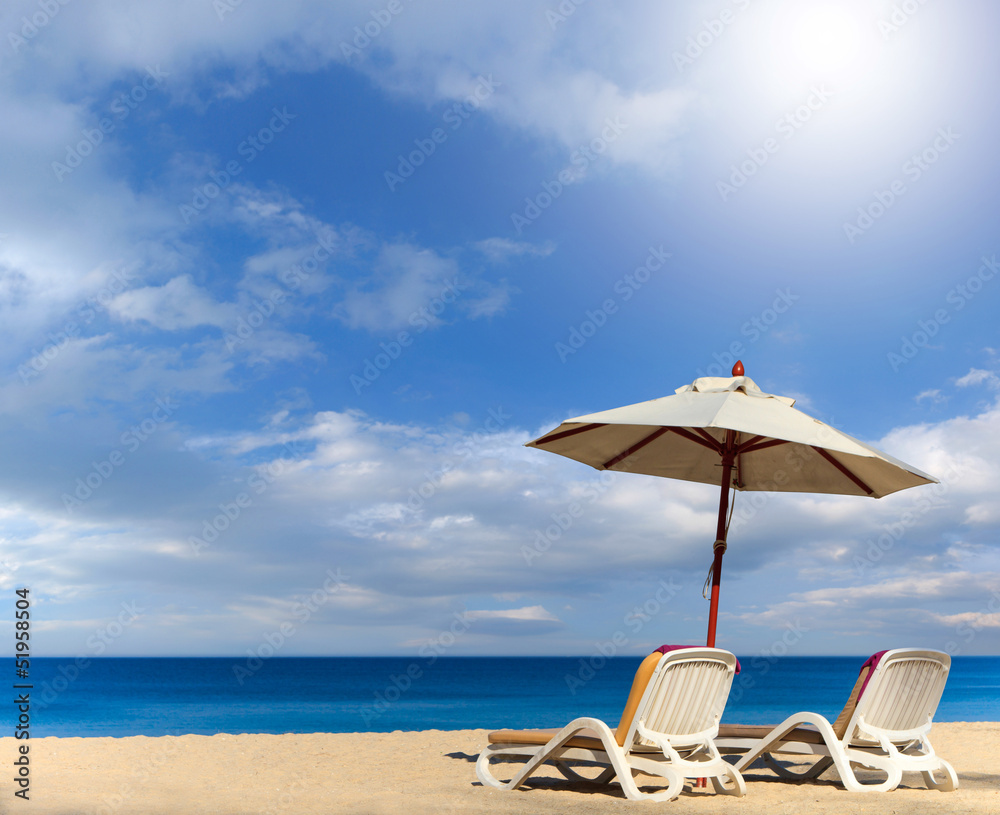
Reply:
x=824, y=39
x=807, y=43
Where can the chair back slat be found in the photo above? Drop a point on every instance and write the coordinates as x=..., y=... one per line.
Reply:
x=686, y=695
x=904, y=693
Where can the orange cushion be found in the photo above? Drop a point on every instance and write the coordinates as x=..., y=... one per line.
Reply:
x=758, y=731
x=587, y=739
x=642, y=677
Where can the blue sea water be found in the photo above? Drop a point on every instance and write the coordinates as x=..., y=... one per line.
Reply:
x=175, y=696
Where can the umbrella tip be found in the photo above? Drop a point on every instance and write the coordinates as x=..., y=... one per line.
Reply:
x=738, y=368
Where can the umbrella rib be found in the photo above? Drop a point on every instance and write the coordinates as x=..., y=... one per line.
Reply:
x=635, y=447
x=868, y=490
x=701, y=431
x=565, y=433
x=752, y=447
x=705, y=440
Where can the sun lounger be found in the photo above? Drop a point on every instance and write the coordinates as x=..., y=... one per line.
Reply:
x=883, y=726
x=666, y=731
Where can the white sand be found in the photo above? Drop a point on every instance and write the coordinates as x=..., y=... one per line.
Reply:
x=423, y=772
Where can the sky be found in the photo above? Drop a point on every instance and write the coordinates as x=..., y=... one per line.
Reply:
x=286, y=288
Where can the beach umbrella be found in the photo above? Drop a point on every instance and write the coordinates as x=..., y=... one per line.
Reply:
x=727, y=431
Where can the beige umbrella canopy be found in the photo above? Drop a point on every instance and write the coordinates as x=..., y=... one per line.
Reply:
x=727, y=431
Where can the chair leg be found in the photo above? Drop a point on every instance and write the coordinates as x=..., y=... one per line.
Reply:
x=552, y=751
x=623, y=767
x=845, y=759
x=483, y=771
x=675, y=785
x=842, y=757
x=947, y=784
x=606, y=777
x=572, y=775
x=806, y=774
x=736, y=787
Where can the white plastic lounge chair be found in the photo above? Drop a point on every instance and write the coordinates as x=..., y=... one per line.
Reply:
x=883, y=726
x=666, y=730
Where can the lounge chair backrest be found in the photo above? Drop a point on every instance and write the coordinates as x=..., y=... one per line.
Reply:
x=639, y=685
x=901, y=697
x=684, y=698
x=841, y=722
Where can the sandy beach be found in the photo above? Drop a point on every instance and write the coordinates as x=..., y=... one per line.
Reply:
x=421, y=772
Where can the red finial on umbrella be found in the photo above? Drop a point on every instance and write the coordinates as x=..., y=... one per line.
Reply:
x=738, y=368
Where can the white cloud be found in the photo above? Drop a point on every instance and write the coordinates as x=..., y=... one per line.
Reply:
x=899, y=608
x=415, y=288
x=422, y=520
x=179, y=304
x=548, y=84
x=501, y=249
x=494, y=301
x=972, y=619
x=425, y=519
x=977, y=376
x=409, y=286
x=57, y=85
x=513, y=622
x=934, y=395
x=528, y=613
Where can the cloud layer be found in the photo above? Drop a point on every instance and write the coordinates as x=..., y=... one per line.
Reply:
x=205, y=295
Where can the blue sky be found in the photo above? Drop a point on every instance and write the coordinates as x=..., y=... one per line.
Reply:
x=286, y=288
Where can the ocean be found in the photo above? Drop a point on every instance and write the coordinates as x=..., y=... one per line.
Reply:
x=175, y=696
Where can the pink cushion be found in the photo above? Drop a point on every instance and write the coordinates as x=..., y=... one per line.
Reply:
x=872, y=663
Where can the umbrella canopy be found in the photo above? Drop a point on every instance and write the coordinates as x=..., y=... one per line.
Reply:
x=727, y=431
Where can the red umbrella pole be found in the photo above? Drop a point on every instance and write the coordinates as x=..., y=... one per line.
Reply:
x=720, y=541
